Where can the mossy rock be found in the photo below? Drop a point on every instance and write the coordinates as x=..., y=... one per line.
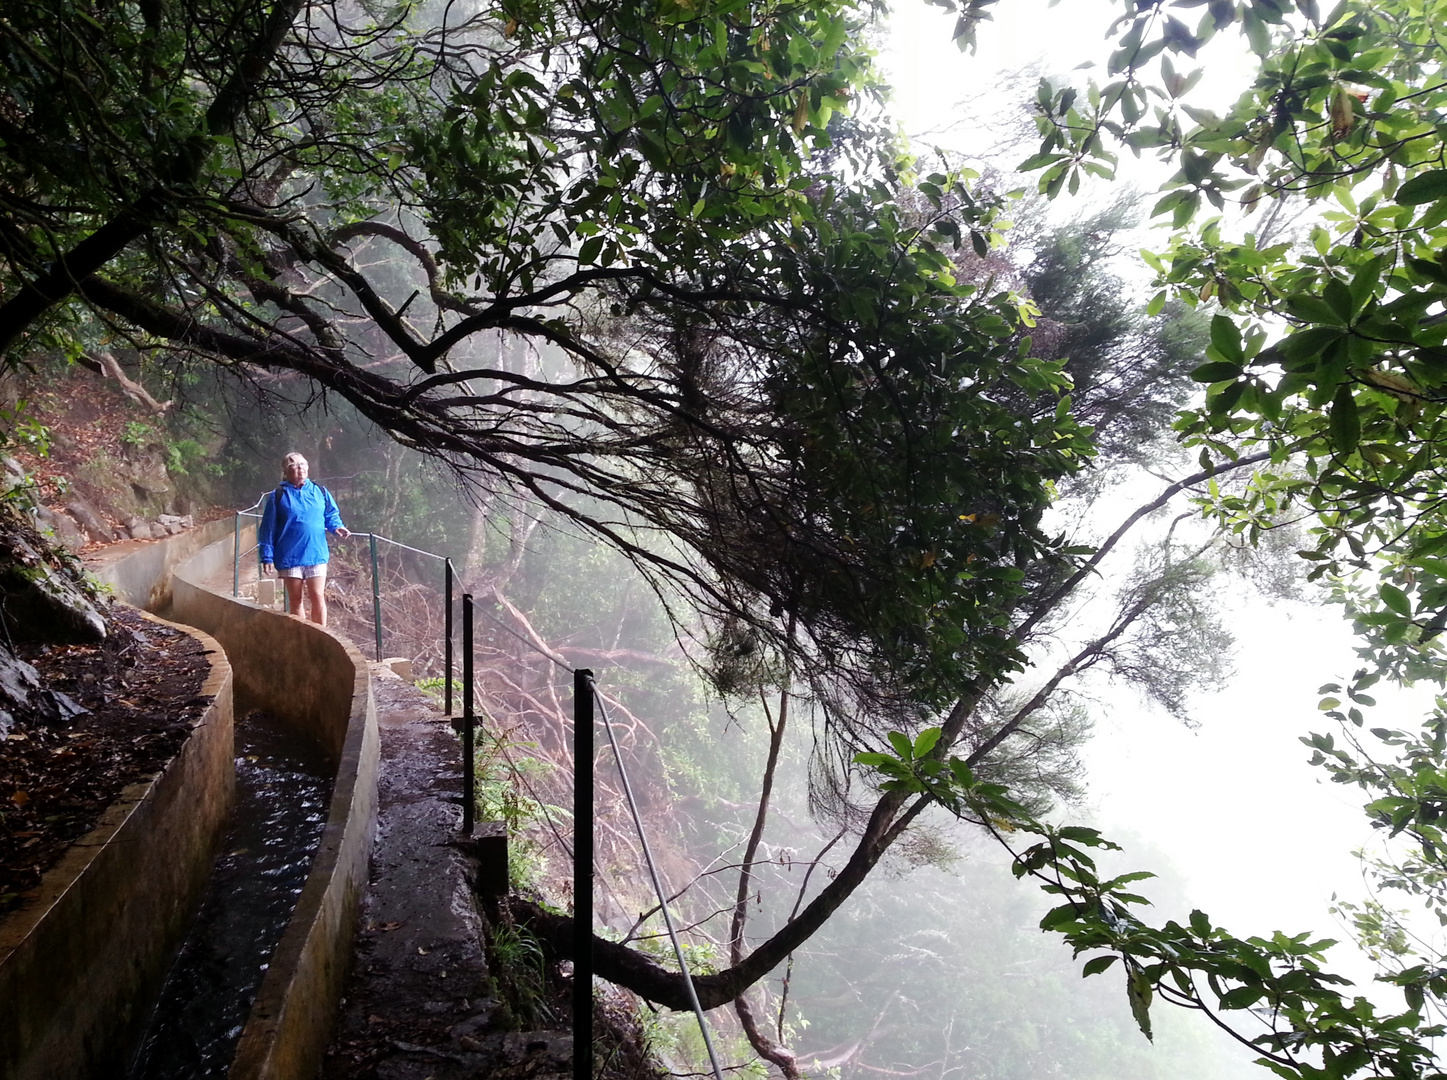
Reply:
x=44, y=595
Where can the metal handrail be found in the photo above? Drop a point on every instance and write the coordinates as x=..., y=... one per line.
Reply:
x=585, y=687
x=469, y=763
x=236, y=543
x=405, y=547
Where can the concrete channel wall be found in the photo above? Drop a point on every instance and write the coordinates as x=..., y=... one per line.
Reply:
x=80, y=966
x=309, y=676
x=316, y=680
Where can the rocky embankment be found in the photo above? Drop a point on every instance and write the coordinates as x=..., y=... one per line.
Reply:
x=80, y=524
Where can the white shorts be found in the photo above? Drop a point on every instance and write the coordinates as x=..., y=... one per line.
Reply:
x=319, y=570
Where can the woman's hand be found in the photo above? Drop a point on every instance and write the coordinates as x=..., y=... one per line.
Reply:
x=267, y=569
x=344, y=532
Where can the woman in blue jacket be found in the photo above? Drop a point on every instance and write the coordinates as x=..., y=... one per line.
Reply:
x=292, y=537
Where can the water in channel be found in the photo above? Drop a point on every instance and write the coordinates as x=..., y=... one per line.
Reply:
x=283, y=783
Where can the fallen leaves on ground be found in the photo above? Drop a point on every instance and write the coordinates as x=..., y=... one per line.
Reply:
x=141, y=688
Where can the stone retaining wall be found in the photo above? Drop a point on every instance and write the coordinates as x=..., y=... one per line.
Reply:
x=139, y=571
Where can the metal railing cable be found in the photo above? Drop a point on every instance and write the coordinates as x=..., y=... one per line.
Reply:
x=517, y=772
x=579, y=855
x=657, y=883
x=236, y=543
x=507, y=759
x=405, y=547
x=255, y=511
x=522, y=779
x=506, y=629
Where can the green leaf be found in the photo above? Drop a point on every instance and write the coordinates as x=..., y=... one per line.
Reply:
x=1430, y=269
x=1312, y=309
x=1226, y=336
x=1059, y=916
x=1395, y=599
x=962, y=773
x=1138, y=990
x=1134, y=875
x=1096, y=965
x=588, y=253
x=1309, y=343
x=1339, y=296
x=1345, y=424
x=1423, y=188
x=1242, y=997
x=925, y=742
x=902, y=746
x=1217, y=371
x=873, y=759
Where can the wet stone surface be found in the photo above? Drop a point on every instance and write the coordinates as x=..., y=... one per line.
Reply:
x=417, y=1004
x=511, y=1055
x=419, y=981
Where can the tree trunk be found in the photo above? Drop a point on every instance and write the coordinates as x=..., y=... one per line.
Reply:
x=634, y=971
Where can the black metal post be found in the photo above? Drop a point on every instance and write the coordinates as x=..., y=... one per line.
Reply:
x=469, y=780
x=376, y=596
x=447, y=642
x=583, y=874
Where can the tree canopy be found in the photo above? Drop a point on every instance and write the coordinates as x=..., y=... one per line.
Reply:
x=747, y=367
x=767, y=355
x=758, y=371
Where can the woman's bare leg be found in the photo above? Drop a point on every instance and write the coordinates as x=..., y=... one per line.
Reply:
x=316, y=591
x=293, y=594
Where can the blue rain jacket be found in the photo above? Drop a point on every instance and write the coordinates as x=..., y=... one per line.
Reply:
x=294, y=524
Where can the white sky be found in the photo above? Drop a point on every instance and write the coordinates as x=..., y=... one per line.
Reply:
x=931, y=76
x=1262, y=839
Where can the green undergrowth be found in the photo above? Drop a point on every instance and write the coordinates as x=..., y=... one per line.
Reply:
x=524, y=986
x=535, y=993
x=437, y=686
x=513, y=787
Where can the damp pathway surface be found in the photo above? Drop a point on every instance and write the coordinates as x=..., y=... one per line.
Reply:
x=417, y=1003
